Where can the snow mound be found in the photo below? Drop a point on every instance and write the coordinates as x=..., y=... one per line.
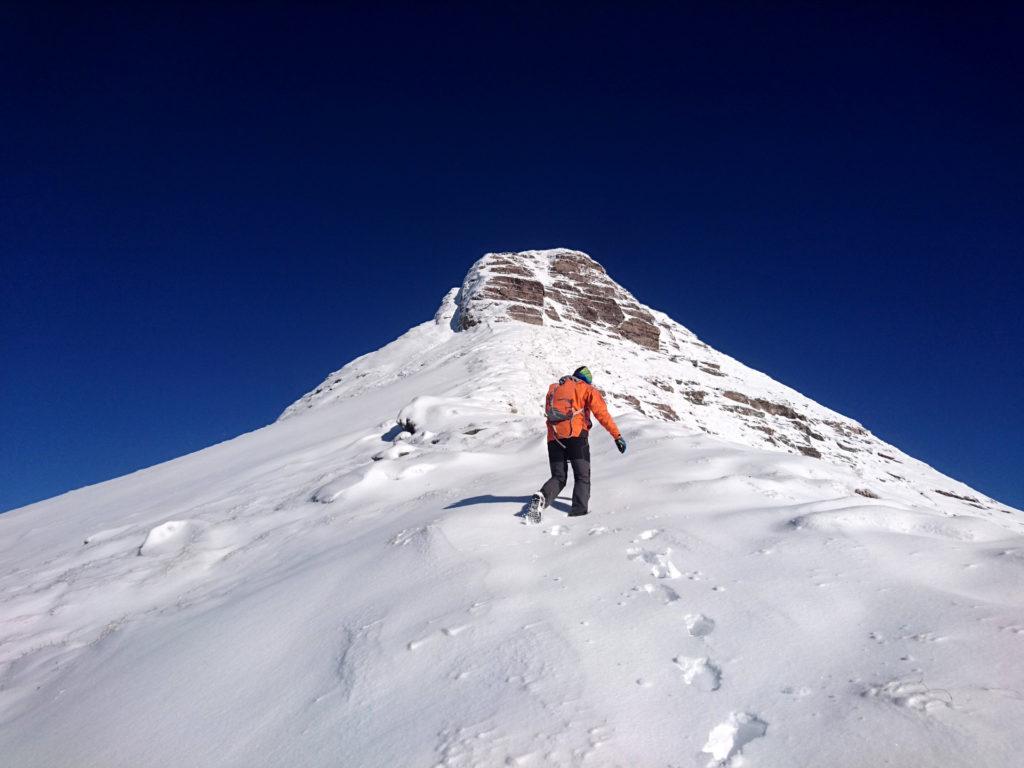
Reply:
x=170, y=538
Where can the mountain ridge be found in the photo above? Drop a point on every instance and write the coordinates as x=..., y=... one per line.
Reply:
x=565, y=290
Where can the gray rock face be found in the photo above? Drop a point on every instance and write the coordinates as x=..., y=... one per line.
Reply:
x=559, y=286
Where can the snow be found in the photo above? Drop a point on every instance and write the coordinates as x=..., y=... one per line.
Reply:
x=335, y=590
x=726, y=740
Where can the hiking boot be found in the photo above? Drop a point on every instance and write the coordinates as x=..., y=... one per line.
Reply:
x=536, y=505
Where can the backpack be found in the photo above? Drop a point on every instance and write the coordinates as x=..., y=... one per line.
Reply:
x=558, y=406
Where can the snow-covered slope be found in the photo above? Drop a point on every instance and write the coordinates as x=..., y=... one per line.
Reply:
x=761, y=582
x=535, y=315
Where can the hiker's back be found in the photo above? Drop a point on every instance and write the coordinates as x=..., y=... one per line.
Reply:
x=565, y=408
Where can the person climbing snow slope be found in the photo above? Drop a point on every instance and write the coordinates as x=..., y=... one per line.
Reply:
x=568, y=407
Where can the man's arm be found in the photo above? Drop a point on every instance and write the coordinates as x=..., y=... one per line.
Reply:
x=600, y=411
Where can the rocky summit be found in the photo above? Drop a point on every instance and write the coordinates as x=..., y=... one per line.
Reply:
x=560, y=287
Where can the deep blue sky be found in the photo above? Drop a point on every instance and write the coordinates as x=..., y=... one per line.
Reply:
x=203, y=212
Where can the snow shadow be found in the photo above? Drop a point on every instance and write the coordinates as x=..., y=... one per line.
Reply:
x=491, y=499
x=391, y=434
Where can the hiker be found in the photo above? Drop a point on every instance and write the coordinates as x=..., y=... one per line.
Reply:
x=568, y=406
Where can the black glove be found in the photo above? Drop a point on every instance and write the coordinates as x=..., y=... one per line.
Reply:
x=620, y=444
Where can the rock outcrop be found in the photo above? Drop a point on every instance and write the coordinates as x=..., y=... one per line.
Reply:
x=557, y=287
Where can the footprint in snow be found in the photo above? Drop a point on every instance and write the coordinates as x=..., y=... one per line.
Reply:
x=667, y=594
x=408, y=536
x=911, y=694
x=699, y=672
x=415, y=470
x=662, y=566
x=699, y=625
x=727, y=740
x=394, y=452
x=558, y=530
x=800, y=693
x=412, y=645
x=451, y=631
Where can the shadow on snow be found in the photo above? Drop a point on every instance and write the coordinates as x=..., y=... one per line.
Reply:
x=491, y=499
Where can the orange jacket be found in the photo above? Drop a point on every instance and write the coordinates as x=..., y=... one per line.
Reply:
x=586, y=399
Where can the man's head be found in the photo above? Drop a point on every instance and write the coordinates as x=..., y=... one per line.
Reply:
x=584, y=373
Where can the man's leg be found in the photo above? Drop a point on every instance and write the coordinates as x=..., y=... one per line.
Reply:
x=579, y=454
x=557, y=459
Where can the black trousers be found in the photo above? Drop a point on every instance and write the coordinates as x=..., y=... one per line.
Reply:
x=576, y=451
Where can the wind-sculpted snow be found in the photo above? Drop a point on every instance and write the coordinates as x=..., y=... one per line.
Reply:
x=354, y=584
x=858, y=517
